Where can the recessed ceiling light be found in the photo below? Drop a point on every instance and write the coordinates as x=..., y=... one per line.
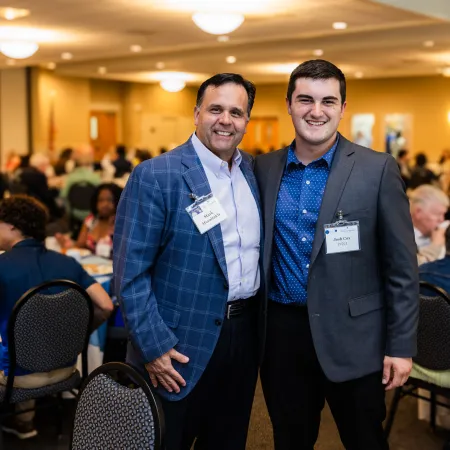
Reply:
x=10, y=62
x=446, y=71
x=318, y=52
x=428, y=44
x=339, y=25
x=231, y=59
x=13, y=13
x=359, y=74
x=136, y=48
x=67, y=56
x=102, y=70
x=223, y=38
x=51, y=66
x=160, y=65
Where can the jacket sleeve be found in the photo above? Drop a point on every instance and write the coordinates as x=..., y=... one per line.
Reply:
x=399, y=263
x=139, y=227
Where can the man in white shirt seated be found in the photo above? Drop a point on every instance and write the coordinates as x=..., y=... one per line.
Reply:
x=428, y=208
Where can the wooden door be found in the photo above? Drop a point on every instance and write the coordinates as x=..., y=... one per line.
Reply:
x=262, y=135
x=103, y=132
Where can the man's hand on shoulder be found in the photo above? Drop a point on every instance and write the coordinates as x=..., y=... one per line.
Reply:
x=161, y=371
x=396, y=371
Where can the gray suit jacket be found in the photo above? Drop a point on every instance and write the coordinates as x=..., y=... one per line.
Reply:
x=362, y=305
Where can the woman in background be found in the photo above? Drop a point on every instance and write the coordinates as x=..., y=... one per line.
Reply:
x=98, y=228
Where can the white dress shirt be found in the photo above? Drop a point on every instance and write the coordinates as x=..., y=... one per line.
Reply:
x=421, y=240
x=241, y=228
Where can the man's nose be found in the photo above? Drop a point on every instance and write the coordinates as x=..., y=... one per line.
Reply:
x=225, y=117
x=317, y=109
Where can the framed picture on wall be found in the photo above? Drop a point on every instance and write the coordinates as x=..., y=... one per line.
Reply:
x=362, y=129
x=397, y=132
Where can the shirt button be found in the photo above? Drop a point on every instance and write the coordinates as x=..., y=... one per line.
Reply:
x=303, y=239
x=304, y=211
x=308, y=182
x=218, y=322
x=307, y=266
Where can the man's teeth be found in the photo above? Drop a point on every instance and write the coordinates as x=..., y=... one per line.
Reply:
x=311, y=122
x=223, y=133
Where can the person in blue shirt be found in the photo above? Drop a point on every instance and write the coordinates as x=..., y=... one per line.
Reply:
x=25, y=264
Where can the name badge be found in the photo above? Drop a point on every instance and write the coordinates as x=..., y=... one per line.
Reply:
x=342, y=237
x=206, y=212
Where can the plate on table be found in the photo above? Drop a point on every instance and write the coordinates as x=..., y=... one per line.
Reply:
x=98, y=269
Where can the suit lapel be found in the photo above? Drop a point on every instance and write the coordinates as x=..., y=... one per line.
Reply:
x=271, y=188
x=195, y=177
x=341, y=168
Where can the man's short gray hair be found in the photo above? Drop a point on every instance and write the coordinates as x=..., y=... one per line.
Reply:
x=426, y=194
x=39, y=159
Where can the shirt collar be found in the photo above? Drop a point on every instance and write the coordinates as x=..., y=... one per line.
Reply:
x=208, y=158
x=29, y=242
x=328, y=157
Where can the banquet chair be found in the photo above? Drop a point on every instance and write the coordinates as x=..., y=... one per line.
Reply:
x=48, y=328
x=433, y=351
x=117, y=409
x=79, y=199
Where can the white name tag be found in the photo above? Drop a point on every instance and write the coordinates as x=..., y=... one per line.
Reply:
x=342, y=237
x=206, y=213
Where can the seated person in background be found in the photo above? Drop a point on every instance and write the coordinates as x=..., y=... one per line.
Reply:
x=121, y=164
x=65, y=163
x=83, y=172
x=403, y=165
x=32, y=180
x=25, y=264
x=420, y=174
x=428, y=206
x=98, y=228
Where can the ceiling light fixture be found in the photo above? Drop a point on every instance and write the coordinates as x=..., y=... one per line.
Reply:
x=318, y=52
x=18, y=50
x=223, y=38
x=446, y=71
x=230, y=59
x=359, y=74
x=428, y=44
x=136, y=48
x=172, y=85
x=13, y=13
x=102, y=70
x=339, y=25
x=67, y=56
x=160, y=65
x=217, y=23
x=51, y=66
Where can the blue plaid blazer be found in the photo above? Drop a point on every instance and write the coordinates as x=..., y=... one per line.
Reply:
x=171, y=281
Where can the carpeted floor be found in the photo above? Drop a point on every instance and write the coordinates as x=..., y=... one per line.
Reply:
x=407, y=434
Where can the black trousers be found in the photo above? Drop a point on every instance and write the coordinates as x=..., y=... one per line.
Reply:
x=295, y=389
x=216, y=413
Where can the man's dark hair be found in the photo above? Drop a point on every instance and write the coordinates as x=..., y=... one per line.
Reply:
x=115, y=190
x=317, y=69
x=401, y=153
x=121, y=150
x=421, y=160
x=26, y=214
x=223, y=78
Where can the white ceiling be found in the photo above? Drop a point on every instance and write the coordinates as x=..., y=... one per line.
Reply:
x=380, y=41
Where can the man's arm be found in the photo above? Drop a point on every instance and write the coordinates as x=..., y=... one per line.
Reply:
x=401, y=281
x=139, y=226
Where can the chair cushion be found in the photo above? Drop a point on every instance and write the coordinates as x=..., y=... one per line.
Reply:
x=20, y=395
x=112, y=416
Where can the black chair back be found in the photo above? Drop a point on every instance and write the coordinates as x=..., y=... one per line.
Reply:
x=433, y=334
x=117, y=409
x=49, y=327
x=80, y=195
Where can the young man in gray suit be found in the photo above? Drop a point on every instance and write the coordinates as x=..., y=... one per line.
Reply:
x=340, y=273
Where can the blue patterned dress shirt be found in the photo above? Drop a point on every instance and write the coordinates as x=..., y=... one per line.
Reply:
x=296, y=214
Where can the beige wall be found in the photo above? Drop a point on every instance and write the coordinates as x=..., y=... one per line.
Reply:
x=151, y=117
x=13, y=113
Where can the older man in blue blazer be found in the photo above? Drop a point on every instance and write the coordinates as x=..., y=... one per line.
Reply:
x=186, y=262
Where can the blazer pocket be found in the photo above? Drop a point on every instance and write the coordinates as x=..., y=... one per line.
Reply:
x=169, y=316
x=365, y=304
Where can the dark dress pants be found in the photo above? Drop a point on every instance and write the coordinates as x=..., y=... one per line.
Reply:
x=216, y=413
x=295, y=389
